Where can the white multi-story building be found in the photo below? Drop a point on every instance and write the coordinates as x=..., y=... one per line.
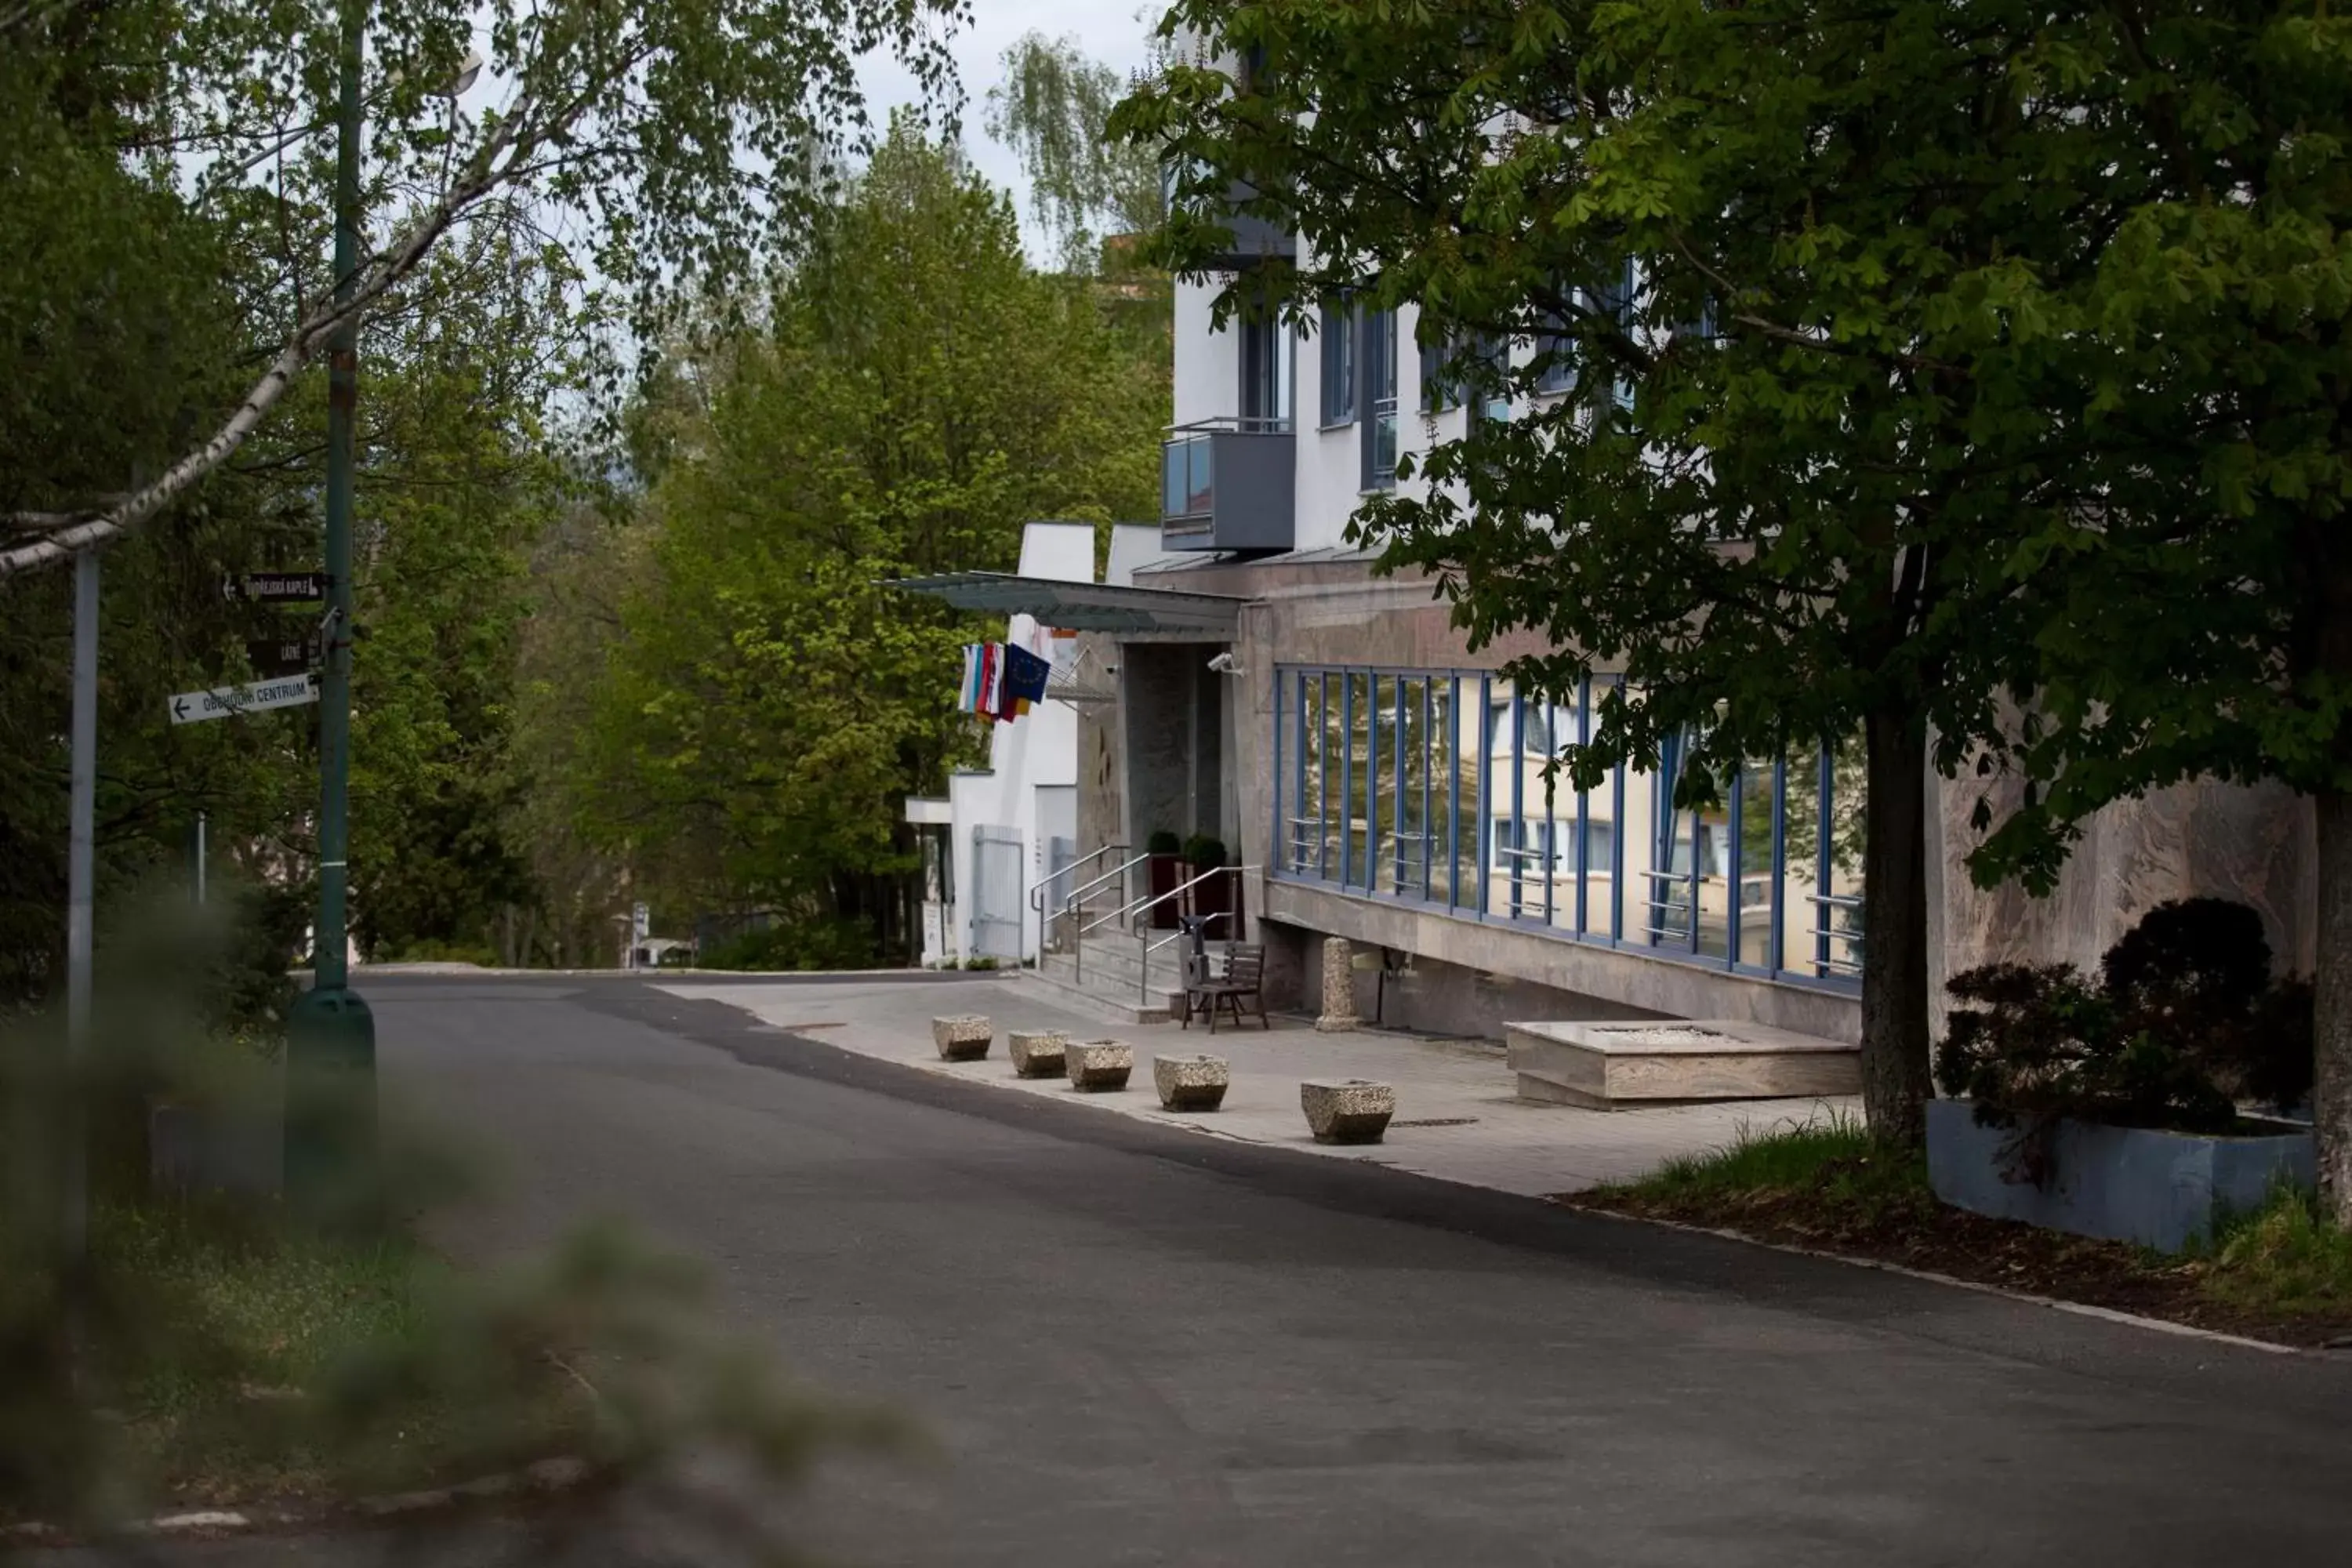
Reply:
x=1379, y=781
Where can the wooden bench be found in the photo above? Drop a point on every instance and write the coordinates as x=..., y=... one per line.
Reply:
x=1241, y=980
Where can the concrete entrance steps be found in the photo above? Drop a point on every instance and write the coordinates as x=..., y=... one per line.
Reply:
x=1671, y=1061
x=1112, y=979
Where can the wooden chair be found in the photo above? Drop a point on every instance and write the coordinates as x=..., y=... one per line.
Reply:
x=1241, y=981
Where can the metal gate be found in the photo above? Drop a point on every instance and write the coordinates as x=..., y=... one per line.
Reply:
x=1057, y=841
x=996, y=888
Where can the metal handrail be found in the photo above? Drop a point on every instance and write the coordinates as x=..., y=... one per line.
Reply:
x=1074, y=902
x=1137, y=906
x=1233, y=424
x=1179, y=935
x=1038, y=893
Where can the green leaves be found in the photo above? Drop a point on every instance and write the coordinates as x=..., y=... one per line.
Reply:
x=1052, y=108
x=917, y=395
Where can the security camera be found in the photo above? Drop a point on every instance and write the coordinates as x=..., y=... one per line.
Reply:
x=1224, y=665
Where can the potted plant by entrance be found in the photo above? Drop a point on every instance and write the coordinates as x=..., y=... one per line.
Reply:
x=2132, y=1106
x=1202, y=852
x=1166, y=858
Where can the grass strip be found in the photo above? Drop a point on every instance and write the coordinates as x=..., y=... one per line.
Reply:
x=2281, y=1272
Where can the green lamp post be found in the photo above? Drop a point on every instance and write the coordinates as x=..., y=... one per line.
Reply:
x=331, y=1131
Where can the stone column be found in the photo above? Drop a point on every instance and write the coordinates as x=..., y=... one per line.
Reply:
x=1338, y=988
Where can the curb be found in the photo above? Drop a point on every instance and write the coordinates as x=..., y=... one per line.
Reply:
x=2079, y=1309
x=542, y=1477
x=1567, y=1201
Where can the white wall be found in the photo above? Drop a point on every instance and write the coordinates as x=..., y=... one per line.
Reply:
x=1332, y=462
x=1208, y=364
x=1038, y=749
x=1329, y=471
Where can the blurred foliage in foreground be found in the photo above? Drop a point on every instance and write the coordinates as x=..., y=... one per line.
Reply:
x=208, y=1348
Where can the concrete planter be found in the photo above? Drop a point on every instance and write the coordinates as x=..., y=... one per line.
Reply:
x=2121, y=1184
x=1097, y=1065
x=1347, y=1110
x=964, y=1037
x=1190, y=1083
x=1037, y=1053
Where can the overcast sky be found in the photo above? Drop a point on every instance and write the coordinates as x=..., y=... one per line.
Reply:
x=1109, y=30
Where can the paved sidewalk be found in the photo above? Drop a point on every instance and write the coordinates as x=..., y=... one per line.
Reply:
x=1457, y=1120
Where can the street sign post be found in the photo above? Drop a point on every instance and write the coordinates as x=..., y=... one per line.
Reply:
x=256, y=697
x=278, y=587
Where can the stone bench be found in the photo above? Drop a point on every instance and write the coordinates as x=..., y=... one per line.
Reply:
x=1097, y=1065
x=964, y=1037
x=1603, y=1065
x=1037, y=1053
x=1191, y=1082
x=1347, y=1110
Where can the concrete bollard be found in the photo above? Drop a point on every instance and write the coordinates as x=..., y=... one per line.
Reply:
x=1037, y=1053
x=1096, y=1065
x=1190, y=1083
x=964, y=1037
x=1338, y=988
x=1347, y=1110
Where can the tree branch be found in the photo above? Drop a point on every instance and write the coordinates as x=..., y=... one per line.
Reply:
x=309, y=337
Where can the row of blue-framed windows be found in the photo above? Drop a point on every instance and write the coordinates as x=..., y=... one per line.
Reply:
x=1437, y=786
x=1359, y=383
x=1556, y=352
x=1442, y=392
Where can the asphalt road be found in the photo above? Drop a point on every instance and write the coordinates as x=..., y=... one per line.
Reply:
x=1140, y=1346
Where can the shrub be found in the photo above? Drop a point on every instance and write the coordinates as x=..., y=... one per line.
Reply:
x=1203, y=853
x=822, y=942
x=1163, y=842
x=2184, y=1021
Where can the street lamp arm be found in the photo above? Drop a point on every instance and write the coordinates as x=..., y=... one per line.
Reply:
x=68, y=533
x=221, y=176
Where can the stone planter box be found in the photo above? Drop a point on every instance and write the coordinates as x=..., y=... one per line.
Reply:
x=1190, y=1083
x=2163, y=1190
x=1608, y=1065
x=963, y=1038
x=1037, y=1053
x=1347, y=1110
x=1096, y=1065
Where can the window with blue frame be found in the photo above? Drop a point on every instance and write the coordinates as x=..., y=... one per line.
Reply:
x=1440, y=392
x=1556, y=360
x=1337, y=328
x=1495, y=377
x=1443, y=787
x=1378, y=374
x=1618, y=301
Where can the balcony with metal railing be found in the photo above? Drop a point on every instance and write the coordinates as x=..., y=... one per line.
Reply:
x=1228, y=484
